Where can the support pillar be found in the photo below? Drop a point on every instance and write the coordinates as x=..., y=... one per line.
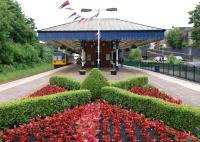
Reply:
x=98, y=47
x=82, y=56
x=112, y=62
x=117, y=55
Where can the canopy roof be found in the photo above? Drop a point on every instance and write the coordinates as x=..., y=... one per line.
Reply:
x=107, y=24
x=111, y=30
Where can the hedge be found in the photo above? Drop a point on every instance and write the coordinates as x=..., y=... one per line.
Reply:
x=22, y=111
x=94, y=82
x=65, y=82
x=180, y=117
x=131, y=82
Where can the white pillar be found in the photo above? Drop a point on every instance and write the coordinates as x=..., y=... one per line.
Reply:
x=82, y=57
x=111, y=57
x=117, y=54
x=117, y=57
x=98, y=50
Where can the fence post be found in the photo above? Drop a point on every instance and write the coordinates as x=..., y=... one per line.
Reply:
x=186, y=71
x=179, y=70
x=173, y=69
x=163, y=67
x=168, y=69
x=194, y=71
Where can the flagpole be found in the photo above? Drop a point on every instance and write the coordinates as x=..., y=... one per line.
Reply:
x=98, y=48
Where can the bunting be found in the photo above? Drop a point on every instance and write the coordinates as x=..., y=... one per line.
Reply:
x=73, y=14
x=81, y=19
x=69, y=8
x=77, y=17
x=66, y=3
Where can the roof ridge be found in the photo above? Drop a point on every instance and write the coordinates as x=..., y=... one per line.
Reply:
x=57, y=25
x=139, y=24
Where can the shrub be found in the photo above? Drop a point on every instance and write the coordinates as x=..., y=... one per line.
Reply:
x=47, y=90
x=94, y=82
x=21, y=111
x=180, y=117
x=171, y=59
x=135, y=55
x=65, y=82
x=131, y=82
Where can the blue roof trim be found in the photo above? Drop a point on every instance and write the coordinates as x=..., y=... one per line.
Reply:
x=105, y=35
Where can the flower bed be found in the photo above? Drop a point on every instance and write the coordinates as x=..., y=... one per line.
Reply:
x=47, y=90
x=153, y=92
x=94, y=122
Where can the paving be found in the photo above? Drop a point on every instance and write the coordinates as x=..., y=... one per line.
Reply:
x=187, y=91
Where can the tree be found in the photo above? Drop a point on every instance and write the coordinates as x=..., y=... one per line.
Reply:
x=195, y=20
x=175, y=38
x=15, y=25
x=18, y=40
x=135, y=54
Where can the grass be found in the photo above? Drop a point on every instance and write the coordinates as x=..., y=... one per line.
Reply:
x=21, y=73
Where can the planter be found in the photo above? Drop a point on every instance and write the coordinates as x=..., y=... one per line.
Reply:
x=82, y=72
x=113, y=72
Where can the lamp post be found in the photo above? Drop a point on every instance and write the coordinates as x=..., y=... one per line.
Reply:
x=99, y=10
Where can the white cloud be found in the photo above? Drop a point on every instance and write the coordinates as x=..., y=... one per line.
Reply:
x=158, y=13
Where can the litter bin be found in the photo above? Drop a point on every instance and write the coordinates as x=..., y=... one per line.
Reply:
x=157, y=68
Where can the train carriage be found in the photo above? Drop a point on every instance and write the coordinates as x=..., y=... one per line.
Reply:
x=62, y=59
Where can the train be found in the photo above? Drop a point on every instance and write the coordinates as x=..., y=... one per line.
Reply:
x=61, y=59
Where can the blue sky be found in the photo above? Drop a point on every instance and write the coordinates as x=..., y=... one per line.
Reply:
x=158, y=13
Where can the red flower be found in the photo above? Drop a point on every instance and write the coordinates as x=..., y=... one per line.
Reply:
x=83, y=124
x=47, y=90
x=154, y=93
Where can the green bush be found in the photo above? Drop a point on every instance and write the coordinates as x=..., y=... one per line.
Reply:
x=65, y=82
x=131, y=82
x=180, y=117
x=172, y=60
x=135, y=55
x=94, y=82
x=22, y=111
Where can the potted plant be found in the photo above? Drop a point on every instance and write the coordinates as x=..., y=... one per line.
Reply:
x=82, y=71
x=113, y=71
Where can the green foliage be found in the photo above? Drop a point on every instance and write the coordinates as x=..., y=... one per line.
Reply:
x=180, y=117
x=94, y=82
x=18, y=40
x=172, y=60
x=175, y=38
x=135, y=54
x=194, y=19
x=14, y=25
x=131, y=82
x=65, y=82
x=22, y=111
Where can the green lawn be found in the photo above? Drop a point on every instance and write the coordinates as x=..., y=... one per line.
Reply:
x=21, y=73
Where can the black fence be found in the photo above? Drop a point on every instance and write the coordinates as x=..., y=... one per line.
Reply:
x=187, y=72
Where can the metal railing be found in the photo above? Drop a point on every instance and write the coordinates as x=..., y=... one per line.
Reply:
x=187, y=72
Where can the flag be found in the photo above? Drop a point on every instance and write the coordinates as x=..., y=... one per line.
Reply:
x=96, y=15
x=76, y=17
x=73, y=14
x=69, y=8
x=66, y=3
x=81, y=20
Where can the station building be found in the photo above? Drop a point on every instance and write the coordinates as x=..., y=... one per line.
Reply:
x=115, y=35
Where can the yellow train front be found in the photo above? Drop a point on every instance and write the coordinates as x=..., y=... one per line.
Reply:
x=62, y=59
